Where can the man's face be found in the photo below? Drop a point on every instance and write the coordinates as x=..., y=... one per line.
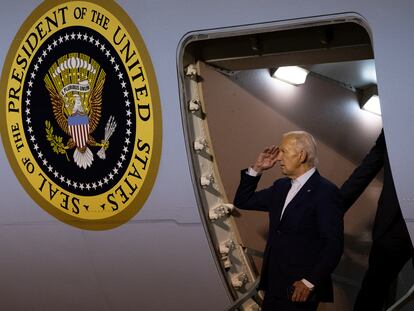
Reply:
x=289, y=158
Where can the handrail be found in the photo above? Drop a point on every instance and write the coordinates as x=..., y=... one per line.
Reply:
x=403, y=300
x=252, y=292
x=253, y=252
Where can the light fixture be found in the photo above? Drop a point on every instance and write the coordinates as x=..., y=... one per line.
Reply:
x=290, y=74
x=373, y=105
x=369, y=100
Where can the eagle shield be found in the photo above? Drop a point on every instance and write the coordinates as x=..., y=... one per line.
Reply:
x=79, y=129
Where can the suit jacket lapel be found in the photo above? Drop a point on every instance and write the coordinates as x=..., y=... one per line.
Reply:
x=307, y=188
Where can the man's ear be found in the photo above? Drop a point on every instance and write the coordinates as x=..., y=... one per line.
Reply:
x=303, y=156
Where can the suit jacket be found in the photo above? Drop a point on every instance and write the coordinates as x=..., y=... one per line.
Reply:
x=307, y=242
x=388, y=212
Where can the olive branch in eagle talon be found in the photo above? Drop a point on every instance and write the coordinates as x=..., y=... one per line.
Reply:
x=56, y=142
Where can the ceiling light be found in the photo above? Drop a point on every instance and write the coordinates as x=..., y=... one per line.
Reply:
x=373, y=105
x=369, y=100
x=291, y=74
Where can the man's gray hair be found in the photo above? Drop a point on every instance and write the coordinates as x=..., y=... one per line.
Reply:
x=306, y=142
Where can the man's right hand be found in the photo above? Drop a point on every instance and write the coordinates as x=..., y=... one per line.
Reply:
x=266, y=159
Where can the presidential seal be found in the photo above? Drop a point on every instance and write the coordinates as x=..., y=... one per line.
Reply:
x=81, y=119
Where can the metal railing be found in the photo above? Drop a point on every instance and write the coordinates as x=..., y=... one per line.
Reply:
x=253, y=291
x=403, y=300
x=251, y=294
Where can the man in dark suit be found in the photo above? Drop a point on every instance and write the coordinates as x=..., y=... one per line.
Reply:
x=391, y=246
x=305, y=240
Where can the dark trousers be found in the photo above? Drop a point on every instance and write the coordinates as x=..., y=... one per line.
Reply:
x=388, y=256
x=276, y=304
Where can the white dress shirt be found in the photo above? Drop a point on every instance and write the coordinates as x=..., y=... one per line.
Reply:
x=297, y=184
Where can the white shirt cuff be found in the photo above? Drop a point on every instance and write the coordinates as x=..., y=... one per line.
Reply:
x=252, y=172
x=308, y=284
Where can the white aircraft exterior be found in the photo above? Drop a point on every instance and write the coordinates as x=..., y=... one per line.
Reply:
x=182, y=249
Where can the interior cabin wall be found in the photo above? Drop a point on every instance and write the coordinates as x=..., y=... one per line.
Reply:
x=249, y=110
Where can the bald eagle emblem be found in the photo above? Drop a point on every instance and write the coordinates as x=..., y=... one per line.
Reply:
x=75, y=84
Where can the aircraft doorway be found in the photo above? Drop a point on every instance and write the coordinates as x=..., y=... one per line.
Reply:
x=232, y=107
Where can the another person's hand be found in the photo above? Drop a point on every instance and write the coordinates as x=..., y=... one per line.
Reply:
x=266, y=159
x=301, y=292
